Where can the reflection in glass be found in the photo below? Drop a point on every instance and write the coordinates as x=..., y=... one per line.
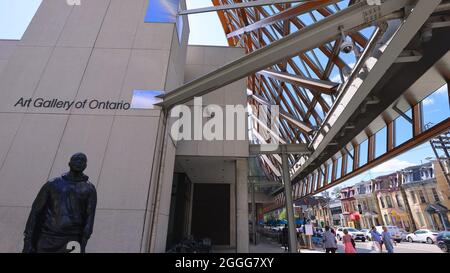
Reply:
x=145, y=99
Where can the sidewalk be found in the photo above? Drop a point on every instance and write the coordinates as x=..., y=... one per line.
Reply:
x=267, y=245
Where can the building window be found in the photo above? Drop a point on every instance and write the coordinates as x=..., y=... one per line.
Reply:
x=422, y=197
x=399, y=200
x=145, y=99
x=386, y=219
x=165, y=11
x=382, y=202
x=420, y=217
x=413, y=197
x=389, y=201
x=435, y=195
x=162, y=11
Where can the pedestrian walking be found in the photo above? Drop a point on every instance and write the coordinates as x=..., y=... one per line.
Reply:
x=284, y=238
x=387, y=240
x=329, y=241
x=348, y=242
x=333, y=231
x=376, y=239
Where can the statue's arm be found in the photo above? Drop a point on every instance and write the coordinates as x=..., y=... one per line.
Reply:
x=90, y=216
x=33, y=221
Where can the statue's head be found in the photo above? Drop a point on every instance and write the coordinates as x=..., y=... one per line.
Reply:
x=78, y=163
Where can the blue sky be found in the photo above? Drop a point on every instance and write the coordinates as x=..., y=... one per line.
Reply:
x=205, y=29
x=15, y=15
x=208, y=23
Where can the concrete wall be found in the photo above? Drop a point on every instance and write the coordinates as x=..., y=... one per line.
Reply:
x=200, y=61
x=100, y=50
x=214, y=161
x=7, y=48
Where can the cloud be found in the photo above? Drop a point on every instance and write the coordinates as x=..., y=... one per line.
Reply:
x=391, y=166
x=428, y=101
x=336, y=76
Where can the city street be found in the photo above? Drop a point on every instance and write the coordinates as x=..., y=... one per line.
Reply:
x=403, y=247
x=267, y=245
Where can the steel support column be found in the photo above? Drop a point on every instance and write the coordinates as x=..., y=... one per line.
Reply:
x=292, y=232
x=254, y=216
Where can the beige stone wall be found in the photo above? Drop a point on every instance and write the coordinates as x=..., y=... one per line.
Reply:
x=100, y=50
x=200, y=61
x=371, y=207
x=216, y=161
x=442, y=186
x=421, y=217
x=7, y=48
x=396, y=212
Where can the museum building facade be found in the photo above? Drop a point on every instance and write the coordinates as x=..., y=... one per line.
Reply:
x=71, y=84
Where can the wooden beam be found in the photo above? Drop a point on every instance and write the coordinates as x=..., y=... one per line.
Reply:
x=390, y=136
x=284, y=15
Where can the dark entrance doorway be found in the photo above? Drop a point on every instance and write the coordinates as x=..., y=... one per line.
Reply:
x=178, y=228
x=211, y=213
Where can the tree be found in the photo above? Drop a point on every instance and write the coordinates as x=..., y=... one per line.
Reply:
x=336, y=192
x=283, y=215
x=326, y=194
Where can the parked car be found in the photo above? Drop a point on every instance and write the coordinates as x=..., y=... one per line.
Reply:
x=443, y=241
x=423, y=235
x=403, y=234
x=366, y=234
x=277, y=228
x=395, y=232
x=356, y=234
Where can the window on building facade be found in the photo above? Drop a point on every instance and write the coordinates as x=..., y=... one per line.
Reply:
x=165, y=11
x=420, y=217
x=145, y=99
x=399, y=200
x=389, y=201
x=382, y=202
x=413, y=197
x=422, y=197
x=386, y=219
x=435, y=195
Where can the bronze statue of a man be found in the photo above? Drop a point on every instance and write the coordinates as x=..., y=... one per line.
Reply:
x=63, y=212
